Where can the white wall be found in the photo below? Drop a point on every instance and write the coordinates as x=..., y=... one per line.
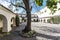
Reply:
x=8, y=16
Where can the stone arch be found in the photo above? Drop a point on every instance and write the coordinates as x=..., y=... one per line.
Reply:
x=3, y=22
x=13, y=24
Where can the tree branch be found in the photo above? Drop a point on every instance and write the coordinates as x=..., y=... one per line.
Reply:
x=16, y=5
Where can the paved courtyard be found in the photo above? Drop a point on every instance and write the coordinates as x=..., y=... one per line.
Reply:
x=45, y=31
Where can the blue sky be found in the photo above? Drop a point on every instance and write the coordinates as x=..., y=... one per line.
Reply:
x=34, y=7
x=37, y=8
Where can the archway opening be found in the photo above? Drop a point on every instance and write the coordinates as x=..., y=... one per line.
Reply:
x=3, y=23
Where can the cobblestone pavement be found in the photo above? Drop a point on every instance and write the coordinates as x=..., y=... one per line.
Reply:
x=45, y=31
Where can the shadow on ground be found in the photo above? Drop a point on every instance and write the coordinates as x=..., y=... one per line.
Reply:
x=15, y=36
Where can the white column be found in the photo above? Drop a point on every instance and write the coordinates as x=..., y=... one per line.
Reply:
x=40, y=20
x=46, y=20
x=9, y=26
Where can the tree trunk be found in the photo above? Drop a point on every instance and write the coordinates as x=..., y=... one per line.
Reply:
x=28, y=12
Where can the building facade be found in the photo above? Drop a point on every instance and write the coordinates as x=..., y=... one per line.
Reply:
x=7, y=19
x=34, y=17
x=46, y=16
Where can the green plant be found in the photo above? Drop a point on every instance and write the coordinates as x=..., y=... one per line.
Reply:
x=1, y=35
x=8, y=33
x=39, y=2
x=17, y=20
x=29, y=34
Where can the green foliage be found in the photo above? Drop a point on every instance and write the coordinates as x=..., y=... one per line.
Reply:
x=8, y=33
x=55, y=20
x=53, y=11
x=29, y=34
x=17, y=20
x=39, y=2
x=52, y=4
x=1, y=35
x=59, y=9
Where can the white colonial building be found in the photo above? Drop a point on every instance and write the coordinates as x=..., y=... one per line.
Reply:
x=45, y=14
x=7, y=19
x=34, y=18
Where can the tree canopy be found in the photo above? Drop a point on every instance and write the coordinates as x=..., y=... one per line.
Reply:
x=39, y=2
x=51, y=4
